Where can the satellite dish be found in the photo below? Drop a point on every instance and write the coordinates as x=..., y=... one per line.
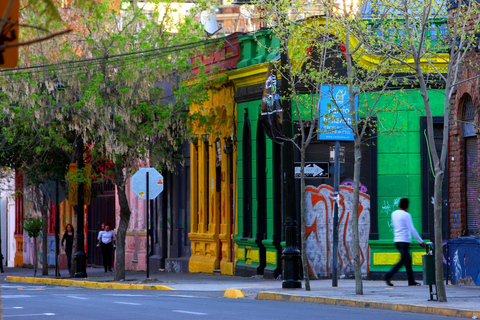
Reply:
x=208, y=20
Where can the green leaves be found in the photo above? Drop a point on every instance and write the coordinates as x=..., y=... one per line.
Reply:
x=33, y=226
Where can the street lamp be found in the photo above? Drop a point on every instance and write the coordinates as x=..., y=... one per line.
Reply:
x=291, y=255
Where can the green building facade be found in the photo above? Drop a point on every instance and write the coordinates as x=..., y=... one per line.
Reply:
x=395, y=165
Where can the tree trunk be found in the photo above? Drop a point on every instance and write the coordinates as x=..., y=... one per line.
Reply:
x=356, y=197
x=73, y=270
x=437, y=222
x=306, y=275
x=439, y=164
x=122, y=228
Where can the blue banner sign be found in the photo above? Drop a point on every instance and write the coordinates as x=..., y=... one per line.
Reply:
x=335, y=117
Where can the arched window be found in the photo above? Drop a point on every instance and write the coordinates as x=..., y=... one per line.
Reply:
x=247, y=177
x=471, y=165
x=261, y=183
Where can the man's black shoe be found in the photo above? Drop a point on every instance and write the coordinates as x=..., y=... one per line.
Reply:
x=413, y=284
x=389, y=283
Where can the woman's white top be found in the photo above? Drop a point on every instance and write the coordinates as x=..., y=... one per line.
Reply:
x=107, y=236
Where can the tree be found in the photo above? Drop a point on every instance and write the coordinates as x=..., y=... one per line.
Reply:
x=113, y=72
x=327, y=52
x=39, y=159
x=417, y=52
x=33, y=227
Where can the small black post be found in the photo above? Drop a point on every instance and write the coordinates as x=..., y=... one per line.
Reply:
x=148, y=229
x=335, y=216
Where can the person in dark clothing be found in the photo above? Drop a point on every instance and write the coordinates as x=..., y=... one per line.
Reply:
x=67, y=244
x=106, y=241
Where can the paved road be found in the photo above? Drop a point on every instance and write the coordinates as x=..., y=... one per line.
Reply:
x=30, y=302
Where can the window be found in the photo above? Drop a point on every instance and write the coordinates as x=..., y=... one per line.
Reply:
x=247, y=177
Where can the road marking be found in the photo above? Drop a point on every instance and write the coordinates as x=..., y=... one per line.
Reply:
x=28, y=315
x=75, y=297
x=191, y=312
x=124, y=295
x=13, y=308
x=8, y=296
x=32, y=289
x=129, y=303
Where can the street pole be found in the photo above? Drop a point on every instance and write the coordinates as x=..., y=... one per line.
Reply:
x=291, y=255
x=57, y=231
x=148, y=229
x=336, y=182
x=80, y=256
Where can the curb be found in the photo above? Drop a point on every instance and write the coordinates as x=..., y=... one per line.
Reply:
x=87, y=284
x=234, y=293
x=414, y=308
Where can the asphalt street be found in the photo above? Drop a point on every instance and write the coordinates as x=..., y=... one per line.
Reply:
x=21, y=301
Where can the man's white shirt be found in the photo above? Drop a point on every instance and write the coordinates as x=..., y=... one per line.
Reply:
x=403, y=227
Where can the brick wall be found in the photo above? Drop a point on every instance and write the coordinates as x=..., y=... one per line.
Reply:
x=456, y=160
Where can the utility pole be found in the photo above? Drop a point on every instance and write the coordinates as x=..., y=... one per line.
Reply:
x=336, y=184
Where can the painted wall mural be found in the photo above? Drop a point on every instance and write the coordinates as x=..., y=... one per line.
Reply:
x=319, y=229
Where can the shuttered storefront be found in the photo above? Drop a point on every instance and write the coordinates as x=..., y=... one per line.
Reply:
x=471, y=166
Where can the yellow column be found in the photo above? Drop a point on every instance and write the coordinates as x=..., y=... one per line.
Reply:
x=203, y=187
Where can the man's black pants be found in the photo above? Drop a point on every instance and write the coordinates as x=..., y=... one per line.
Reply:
x=405, y=260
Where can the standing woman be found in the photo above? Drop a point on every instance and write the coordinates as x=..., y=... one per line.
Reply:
x=106, y=240
x=67, y=244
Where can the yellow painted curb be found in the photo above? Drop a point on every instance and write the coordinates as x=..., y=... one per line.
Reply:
x=415, y=308
x=234, y=294
x=87, y=284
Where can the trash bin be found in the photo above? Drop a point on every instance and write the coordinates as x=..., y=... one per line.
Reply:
x=428, y=261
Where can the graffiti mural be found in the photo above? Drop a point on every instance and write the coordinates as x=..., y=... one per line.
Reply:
x=319, y=203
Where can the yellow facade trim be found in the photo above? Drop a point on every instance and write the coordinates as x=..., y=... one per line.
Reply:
x=248, y=76
x=271, y=257
x=311, y=29
x=241, y=253
x=392, y=258
x=417, y=258
x=251, y=256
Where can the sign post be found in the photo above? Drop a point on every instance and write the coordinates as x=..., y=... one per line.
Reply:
x=147, y=184
x=335, y=124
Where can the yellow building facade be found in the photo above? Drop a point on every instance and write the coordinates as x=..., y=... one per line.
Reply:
x=213, y=170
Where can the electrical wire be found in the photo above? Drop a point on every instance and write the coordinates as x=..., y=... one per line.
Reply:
x=119, y=58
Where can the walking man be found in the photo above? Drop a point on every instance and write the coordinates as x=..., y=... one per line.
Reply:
x=403, y=230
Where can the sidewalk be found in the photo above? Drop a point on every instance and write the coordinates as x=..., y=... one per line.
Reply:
x=463, y=301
